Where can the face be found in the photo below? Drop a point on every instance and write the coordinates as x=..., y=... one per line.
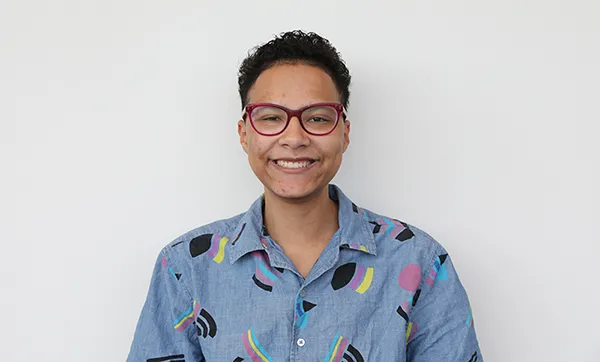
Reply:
x=294, y=164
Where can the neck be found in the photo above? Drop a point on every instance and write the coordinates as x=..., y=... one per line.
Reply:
x=301, y=222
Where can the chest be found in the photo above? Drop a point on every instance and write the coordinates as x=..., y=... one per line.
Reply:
x=263, y=313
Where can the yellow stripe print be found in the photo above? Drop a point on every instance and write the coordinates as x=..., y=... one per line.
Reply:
x=337, y=345
x=408, y=330
x=191, y=315
x=256, y=349
x=221, y=254
x=366, y=283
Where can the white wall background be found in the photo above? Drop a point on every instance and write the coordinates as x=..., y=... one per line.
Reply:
x=477, y=121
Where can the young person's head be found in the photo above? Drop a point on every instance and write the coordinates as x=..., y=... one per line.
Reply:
x=294, y=155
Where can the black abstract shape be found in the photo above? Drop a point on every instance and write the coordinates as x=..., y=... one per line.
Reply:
x=178, y=276
x=212, y=325
x=206, y=326
x=262, y=285
x=172, y=358
x=177, y=243
x=201, y=331
x=443, y=258
x=200, y=244
x=343, y=275
x=307, y=305
x=238, y=359
x=402, y=313
x=347, y=358
x=376, y=227
x=473, y=357
x=354, y=208
x=416, y=297
x=355, y=353
x=239, y=234
x=405, y=234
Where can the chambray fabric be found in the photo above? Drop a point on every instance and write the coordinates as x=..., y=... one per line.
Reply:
x=382, y=290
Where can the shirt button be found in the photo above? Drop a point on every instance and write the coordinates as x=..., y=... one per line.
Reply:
x=300, y=342
x=302, y=293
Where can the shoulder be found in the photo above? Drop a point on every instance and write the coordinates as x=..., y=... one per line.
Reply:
x=189, y=245
x=399, y=239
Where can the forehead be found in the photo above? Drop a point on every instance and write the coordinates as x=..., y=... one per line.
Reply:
x=294, y=86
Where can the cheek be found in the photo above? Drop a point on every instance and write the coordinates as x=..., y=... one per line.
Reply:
x=334, y=148
x=257, y=148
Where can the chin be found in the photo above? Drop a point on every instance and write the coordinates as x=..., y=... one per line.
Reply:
x=293, y=191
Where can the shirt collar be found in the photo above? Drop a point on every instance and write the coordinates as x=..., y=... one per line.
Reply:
x=250, y=233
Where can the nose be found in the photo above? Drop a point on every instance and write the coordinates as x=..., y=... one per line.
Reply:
x=294, y=135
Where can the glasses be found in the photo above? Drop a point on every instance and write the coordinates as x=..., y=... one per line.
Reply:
x=318, y=119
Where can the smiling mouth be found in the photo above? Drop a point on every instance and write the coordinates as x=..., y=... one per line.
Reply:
x=294, y=164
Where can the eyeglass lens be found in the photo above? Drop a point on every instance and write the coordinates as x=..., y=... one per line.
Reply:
x=272, y=120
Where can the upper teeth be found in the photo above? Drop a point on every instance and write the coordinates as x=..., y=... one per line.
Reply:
x=293, y=164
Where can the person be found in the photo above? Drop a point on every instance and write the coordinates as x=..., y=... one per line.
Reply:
x=304, y=274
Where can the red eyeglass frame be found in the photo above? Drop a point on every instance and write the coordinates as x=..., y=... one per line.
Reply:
x=295, y=113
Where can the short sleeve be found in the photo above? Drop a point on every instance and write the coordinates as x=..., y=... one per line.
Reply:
x=165, y=330
x=441, y=323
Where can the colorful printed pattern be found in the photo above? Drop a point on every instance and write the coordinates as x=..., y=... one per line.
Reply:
x=193, y=266
x=358, y=279
x=470, y=318
x=164, y=265
x=438, y=270
x=256, y=352
x=302, y=307
x=360, y=212
x=354, y=246
x=206, y=325
x=411, y=329
x=393, y=228
x=409, y=279
x=264, y=242
x=171, y=358
x=340, y=348
x=238, y=232
x=214, y=244
x=187, y=317
x=404, y=308
x=265, y=276
x=474, y=357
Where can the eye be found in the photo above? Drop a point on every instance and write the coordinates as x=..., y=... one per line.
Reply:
x=270, y=118
x=319, y=120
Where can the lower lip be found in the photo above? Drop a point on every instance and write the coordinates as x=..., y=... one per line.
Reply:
x=293, y=170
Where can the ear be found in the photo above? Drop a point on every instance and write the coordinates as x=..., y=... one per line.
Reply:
x=346, y=125
x=243, y=135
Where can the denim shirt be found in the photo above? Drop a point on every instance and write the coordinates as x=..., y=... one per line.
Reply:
x=382, y=290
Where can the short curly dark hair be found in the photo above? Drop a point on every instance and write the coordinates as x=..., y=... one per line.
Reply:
x=295, y=46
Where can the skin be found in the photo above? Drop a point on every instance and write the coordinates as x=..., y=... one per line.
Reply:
x=299, y=214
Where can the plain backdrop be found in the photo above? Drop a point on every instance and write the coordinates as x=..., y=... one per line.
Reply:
x=477, y=121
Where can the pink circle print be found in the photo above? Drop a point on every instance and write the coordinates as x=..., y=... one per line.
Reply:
x=409, y=277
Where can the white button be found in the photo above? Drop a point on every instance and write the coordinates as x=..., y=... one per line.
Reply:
x=300, y=342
